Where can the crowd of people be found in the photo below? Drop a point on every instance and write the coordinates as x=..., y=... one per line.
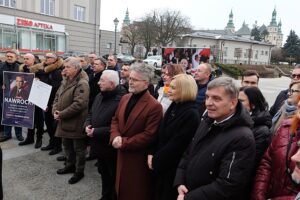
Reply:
x=190, y=137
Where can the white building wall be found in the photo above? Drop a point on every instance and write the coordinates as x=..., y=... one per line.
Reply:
x=226, y=50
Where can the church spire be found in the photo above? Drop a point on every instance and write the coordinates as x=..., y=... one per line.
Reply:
x=279, y=27
x=273, y=22
x=126, y=18
x=230, y=24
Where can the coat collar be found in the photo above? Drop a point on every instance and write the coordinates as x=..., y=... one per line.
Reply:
x=137, y=110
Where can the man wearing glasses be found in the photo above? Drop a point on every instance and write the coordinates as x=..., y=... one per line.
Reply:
x=49, y=71
x=283, y=95
x=133, y=131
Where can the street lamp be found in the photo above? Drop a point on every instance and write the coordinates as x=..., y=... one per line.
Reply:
x=116, y=21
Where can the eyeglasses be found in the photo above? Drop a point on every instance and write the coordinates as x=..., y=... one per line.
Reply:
x=291, y=91
x=297, y=76
x=134, y=79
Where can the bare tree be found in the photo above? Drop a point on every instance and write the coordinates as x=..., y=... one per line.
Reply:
x=146, y=29
x=169, y=24
x=156, y=28
x=130, y=35
x=277, y=55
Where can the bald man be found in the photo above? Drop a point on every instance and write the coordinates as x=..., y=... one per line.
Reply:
x=202, y=76
x=29, y=61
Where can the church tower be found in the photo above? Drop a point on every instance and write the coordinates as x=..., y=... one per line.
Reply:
x=230, y=26
x=275, y=35
x=280, y=35
x=126, y=20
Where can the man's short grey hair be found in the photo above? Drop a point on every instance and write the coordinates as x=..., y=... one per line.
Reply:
x=144, y=69
x=112, y=76
x=29, y=55
x=227, y=83
x=75, y=62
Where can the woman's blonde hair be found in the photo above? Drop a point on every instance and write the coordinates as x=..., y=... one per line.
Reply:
x=186, y=87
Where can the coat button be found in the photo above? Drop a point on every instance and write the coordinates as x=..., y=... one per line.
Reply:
x=210, y=172
x=213, y=154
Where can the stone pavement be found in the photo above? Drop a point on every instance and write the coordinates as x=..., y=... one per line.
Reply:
x=30, y=174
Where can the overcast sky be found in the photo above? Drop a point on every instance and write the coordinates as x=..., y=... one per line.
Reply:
x=209, y=14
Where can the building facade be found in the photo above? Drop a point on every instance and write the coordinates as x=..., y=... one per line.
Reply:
x=107, y=42
x=275, y=36
x=228, y=49
x=41, y=26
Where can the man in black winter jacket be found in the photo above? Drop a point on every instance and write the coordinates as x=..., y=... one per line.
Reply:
x=221, y=156
x=11, y=65
x=98, y=129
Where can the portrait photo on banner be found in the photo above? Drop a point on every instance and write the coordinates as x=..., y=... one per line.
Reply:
x=192, y=56
x=17, y=110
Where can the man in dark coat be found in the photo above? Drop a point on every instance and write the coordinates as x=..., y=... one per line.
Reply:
x=112, y=63
x=124, y=75
x=133, y=130
x=49, y=72
x=221, y=156
x=202, y=76
x=87, y=67
x=98, y=67
x=29, y=60
x=97, y=127
x=11, y=65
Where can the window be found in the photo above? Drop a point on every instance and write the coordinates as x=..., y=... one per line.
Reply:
x=109, y=45
x=9, y=39
x=49, y=42
x=60, y=43
x=238, y=52
x=79, y=13
x=8, y=3
x=248, y=53
x=262, y=53
x=24, y=39
x=266, y=53
x=39, y=41
x=47, y=7
x=256, y=54
x=225, y=51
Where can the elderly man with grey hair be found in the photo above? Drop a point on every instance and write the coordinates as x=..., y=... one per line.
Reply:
x=218, y=163
x=133, y=131
x=70, y=109
x=97, y=127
